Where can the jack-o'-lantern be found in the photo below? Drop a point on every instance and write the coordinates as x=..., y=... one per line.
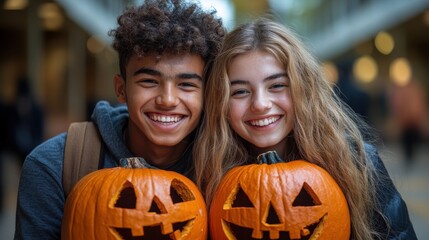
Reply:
x=278, y=200
x=136, y=203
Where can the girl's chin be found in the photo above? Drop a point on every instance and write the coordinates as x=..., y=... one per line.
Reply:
x=265, y=146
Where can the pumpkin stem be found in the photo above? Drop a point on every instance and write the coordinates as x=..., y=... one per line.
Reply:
x=134, y=162
x=270, y=157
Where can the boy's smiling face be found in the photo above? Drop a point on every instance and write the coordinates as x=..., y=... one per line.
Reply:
x=164, y=97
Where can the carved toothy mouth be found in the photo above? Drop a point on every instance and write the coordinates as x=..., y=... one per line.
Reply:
x=153, y=232
x=307, y=233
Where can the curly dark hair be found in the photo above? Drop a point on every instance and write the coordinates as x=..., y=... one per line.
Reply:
x=167, y=26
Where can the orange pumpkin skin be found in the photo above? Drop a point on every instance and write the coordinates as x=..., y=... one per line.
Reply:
x=99, y=207
x=275, y=212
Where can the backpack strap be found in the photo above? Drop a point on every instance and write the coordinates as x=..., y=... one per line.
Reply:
x=82, y=153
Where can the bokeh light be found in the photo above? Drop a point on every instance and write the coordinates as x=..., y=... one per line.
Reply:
x=94, y=45
x=15, y=4
x=384, y=43
x=400, y=71
x=51, y=16
x=365, y=69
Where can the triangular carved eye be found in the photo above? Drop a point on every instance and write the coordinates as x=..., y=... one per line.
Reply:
x=156, y=206
x=306, y=197
x=241, y=199
x=179, y=192
x=127, y=197
x=272, y=217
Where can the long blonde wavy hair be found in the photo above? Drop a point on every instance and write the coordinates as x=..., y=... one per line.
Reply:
x=325, y=132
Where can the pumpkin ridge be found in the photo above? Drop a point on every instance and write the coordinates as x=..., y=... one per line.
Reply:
x=74, y=206
x=113, y=196
x=95, y=179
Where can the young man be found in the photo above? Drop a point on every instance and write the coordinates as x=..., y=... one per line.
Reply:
x=165, y=49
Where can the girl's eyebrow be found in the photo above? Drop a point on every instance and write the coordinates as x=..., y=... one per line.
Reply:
x=275, y=76
x=269, y=78
x=239, y=82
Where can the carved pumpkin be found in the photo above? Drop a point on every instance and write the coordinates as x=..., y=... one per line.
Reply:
x=277, y=200
x=122, y=203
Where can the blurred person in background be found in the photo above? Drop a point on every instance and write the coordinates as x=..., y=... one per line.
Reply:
x=352, y=94
x=409, y=114
x=25, y=121
x=21, y=127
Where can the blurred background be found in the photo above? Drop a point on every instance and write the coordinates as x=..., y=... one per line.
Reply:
x=56, y=62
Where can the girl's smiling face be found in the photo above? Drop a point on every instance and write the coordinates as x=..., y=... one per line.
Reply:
x=260, y=105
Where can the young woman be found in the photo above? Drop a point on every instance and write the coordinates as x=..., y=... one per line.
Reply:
x=274, y=97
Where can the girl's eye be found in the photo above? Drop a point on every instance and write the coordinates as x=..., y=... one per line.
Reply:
x=279, y=86
x=239, y=92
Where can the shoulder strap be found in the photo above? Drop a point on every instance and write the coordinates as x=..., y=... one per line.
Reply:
x=82, y=153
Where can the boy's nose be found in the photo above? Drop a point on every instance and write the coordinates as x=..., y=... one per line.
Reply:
x=168, y=96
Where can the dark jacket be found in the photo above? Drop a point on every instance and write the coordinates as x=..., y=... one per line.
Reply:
x=396, y=222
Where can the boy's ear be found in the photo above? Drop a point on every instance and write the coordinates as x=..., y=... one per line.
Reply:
x=119, y=84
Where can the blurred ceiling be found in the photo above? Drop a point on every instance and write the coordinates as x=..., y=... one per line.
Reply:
x=326, y=44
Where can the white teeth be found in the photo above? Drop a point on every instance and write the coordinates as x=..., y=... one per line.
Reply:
x=164, y=118
x=264, y=122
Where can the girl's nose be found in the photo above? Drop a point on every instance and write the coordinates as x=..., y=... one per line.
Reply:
x=260, y=103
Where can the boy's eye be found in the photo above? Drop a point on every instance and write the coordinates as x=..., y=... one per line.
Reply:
x=147, y=82
x=189, y=86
